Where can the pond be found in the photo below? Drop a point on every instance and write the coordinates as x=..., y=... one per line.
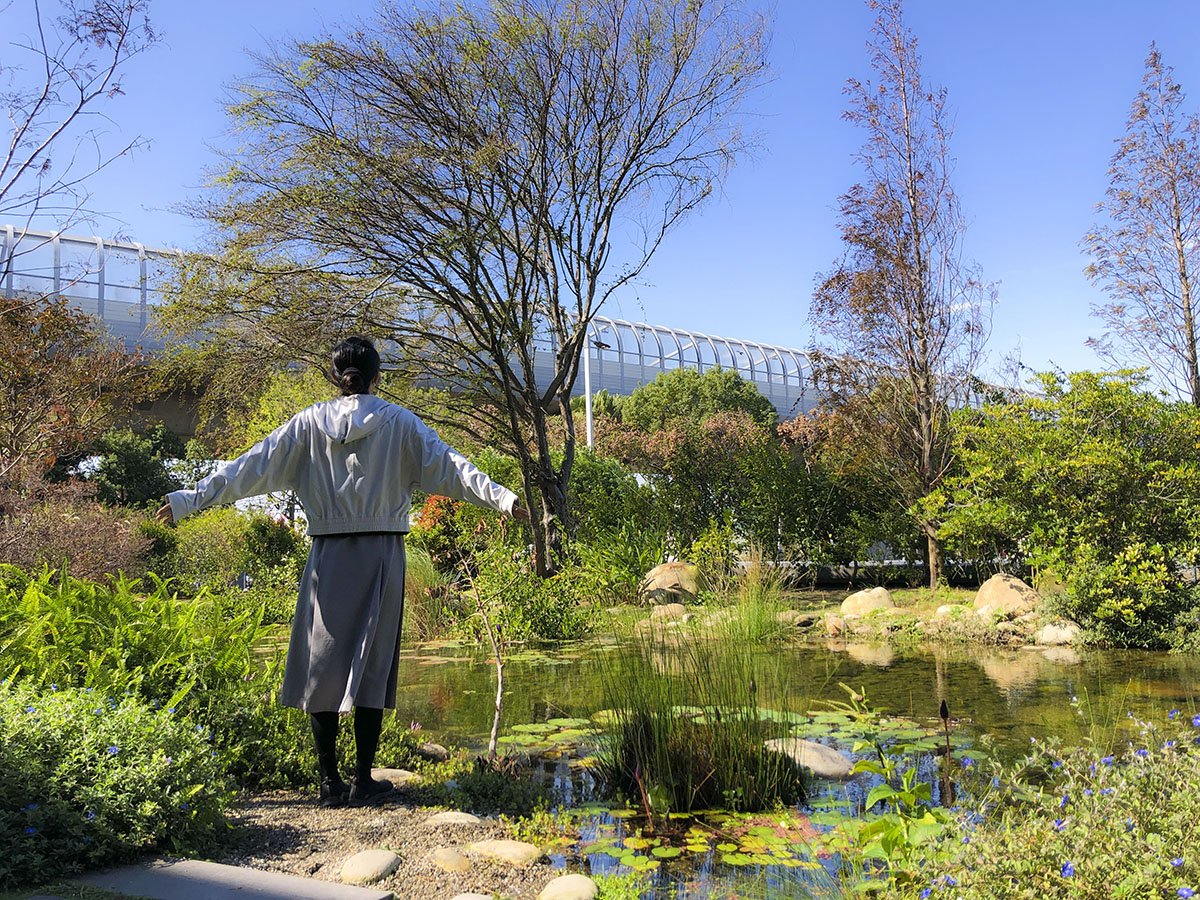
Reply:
x=999, y=697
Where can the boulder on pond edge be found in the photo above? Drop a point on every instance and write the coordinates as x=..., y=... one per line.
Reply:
x=862, y=602
x=1006, y=597
x=1057, y=634
x=817, y=758
x=672, y=582
x=369, y=866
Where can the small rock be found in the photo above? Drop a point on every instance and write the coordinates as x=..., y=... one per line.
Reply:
x=835, y=625
x=453, y=817
x=515, y=853
x=1005, y=597
x=817, y=758
x=1009, y=628
x=569, y=887
x=369, y=866
x=432, y=752
x=862, y=602
x=947, y=609
x=449, y=860
x=668, y=611
x=1057, y=635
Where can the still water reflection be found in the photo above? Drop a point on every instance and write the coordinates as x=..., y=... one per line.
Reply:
x=1011, y=695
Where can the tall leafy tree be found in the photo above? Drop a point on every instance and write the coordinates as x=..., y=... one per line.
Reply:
x=463, y=179
x=1147, y=254
x=902, y=317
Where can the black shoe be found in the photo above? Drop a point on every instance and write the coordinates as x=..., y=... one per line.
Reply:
x=333, y=794
x=363, y=793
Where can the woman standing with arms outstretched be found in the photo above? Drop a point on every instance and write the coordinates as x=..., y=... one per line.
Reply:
x=353, y=462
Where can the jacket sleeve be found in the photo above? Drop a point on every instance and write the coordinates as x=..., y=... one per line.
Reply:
x=443, y=470
x=269, y=465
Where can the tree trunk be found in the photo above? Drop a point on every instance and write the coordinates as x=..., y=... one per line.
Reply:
x=935, y=556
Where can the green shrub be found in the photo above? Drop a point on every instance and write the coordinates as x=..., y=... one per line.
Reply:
x=604, y=497
x=1134, y=599
x=211, y=549
x=86, y=780
x=614, y=563
x=714, y=553
x=132, y=470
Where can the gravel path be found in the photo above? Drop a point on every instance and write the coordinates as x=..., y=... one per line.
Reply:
x=285, y=831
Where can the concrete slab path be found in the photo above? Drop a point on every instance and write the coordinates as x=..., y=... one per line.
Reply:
x=190, y=879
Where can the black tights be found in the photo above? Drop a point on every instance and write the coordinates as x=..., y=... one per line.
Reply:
x=368, y=722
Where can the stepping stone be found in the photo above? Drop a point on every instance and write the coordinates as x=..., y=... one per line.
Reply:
x=453, y=817
x=369, y=866
x=192, y=879
x=569, y=887
x=515, y=853
x=817, y=758
x=398, y=777
x=449, y=860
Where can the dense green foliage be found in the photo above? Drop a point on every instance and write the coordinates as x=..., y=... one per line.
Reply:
x=88, y=778
x=685, y=396
x=1081, y=823
x=1094, y=481
x=132, y=468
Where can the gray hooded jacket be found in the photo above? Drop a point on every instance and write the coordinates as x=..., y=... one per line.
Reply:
x=354, y=463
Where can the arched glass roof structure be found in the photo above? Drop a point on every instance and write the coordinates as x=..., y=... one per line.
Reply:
x=627, y=354
x=115, y=281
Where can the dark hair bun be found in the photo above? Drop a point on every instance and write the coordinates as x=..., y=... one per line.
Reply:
x=355, y=365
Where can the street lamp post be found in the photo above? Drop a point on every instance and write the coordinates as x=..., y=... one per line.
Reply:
x=587, y=387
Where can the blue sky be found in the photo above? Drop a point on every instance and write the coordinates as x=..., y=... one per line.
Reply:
x=1039, y=90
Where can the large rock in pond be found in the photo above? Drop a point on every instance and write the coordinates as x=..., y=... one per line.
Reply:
x=817, y=758
x=1005, y=597
x=863, y=602
x=672, y=582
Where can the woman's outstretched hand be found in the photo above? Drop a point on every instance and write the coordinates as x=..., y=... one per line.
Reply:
x=164, y=514
x=520, y=513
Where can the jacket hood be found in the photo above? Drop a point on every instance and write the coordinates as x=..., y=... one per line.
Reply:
x=349, y=419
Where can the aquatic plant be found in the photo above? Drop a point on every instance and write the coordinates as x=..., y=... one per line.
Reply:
x=686, y=730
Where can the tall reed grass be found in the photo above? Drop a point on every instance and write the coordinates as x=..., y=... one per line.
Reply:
x=687, y=732
x=428, y=610
x=758, y=589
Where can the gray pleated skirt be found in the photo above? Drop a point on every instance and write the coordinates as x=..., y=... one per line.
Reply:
x=345, y=644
